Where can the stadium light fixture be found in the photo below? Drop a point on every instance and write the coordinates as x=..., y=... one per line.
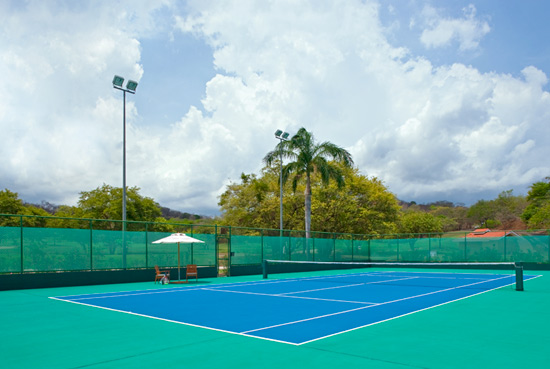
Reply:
x=281, y=136
x=131, y=86
x=118, y=81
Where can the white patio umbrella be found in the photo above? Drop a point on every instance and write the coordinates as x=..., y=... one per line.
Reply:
x=178, y=238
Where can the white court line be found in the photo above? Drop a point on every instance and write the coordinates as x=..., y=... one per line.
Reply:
x=292, y=297
x=146, y=316
x=91, y=297
x=167, y=290
x=190, y=288
x=402, y=315
x=238, y=284
x=258, y=337
x=436, y=276
x=171, y=321
x=286, y=294
x=367, y=307
x=349, y=285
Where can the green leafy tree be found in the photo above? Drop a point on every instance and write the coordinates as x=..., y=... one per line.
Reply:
x=254, y=202
x=308, y=158
x=453, y=218
x=508, y=208
x=481, y=213
x=362, y=205
x=504, y=211
x=540, y=218
x=105, y=202
x=536, y=214
x=10, y=202
x=420, y=222
x=247, y=204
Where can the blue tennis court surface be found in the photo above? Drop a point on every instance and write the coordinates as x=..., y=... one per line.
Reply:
x=300, y=310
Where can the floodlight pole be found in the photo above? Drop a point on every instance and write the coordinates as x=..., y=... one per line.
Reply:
x=281, y=136
x=124, y=159
x=281, y=190
x=131, y=88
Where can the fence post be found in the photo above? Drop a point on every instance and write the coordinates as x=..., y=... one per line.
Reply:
x=91, y=245
x=368, y=250
x=465, y=246
x=289, y=245
x=229, y=252
x=334, y=247
x=262, y=244
x=429, y=248
x=352, y=247
x=505, y=232
x=216, y=249
x=21, y=234
x=312, y=247
x=397, y=250
x=146, y=245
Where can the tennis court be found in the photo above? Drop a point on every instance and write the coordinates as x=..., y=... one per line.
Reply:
x=380, y=318
x=301, y=310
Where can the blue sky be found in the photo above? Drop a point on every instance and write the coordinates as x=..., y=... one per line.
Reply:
x=442, y=100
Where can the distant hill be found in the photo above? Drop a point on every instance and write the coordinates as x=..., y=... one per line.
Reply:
x=174, y=214
x=166, y=212
x=428, y=206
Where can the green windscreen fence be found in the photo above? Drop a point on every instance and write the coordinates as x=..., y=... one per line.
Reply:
x=54, y=249
x=32, y=245
x=276, y=247
x=46, y=249
x=343, y=249
x=10, y=249
x=246, y=250
x=324, y=249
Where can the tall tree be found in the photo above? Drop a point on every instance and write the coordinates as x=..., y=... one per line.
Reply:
x=481, y=213
x=105, y=202
x=363, y=206
x=10, y=202
x=308, y=158
x=420, y=222
x=537, y=213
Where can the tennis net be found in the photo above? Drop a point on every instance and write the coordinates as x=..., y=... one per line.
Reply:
x=357, y=271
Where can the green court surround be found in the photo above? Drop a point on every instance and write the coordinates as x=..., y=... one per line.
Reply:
x=499, y=329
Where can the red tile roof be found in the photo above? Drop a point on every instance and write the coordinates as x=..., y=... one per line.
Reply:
x=486, y=232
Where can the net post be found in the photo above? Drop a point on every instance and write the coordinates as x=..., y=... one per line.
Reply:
x=264, y=268
x=519, y=276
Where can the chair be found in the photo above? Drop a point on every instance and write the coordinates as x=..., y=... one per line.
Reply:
x=161, y=274
x=191, y=271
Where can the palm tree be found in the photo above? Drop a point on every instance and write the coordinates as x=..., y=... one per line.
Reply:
x=308, y=157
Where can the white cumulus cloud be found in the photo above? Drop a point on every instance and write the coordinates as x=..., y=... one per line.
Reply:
x=446, y=132
x=441, y=31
